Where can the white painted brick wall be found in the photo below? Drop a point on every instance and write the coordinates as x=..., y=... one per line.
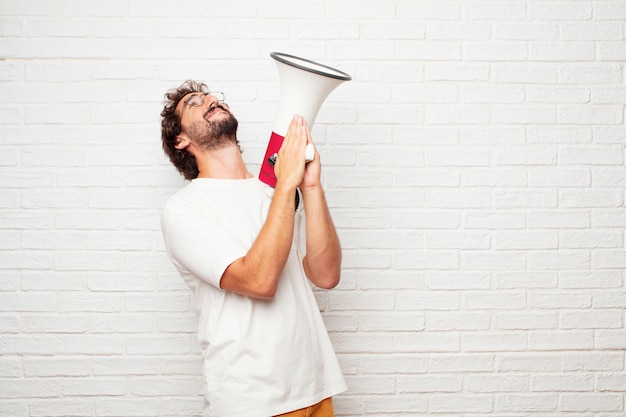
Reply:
x=474, y=167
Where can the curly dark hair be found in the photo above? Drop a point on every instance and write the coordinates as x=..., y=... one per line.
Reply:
x=171, y=127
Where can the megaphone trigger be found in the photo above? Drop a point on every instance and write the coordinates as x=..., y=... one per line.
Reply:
x=310, y=153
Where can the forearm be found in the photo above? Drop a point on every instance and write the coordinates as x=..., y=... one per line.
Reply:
x=257, y=274
x=322, y=263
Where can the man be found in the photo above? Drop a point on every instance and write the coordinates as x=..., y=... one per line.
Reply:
x=248, y=252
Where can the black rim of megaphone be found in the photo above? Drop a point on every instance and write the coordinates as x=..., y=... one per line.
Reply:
x=284, y=58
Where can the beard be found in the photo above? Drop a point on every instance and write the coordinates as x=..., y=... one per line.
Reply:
x=214, y=134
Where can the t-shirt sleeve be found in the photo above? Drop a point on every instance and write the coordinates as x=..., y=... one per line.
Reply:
x=199, y=244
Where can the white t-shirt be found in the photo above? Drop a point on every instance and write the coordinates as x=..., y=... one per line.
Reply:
x=261, y=357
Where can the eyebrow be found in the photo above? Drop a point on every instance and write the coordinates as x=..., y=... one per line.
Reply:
x=198, y=93
x=190, y=96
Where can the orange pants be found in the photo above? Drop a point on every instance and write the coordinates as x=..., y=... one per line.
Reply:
x=323, y=408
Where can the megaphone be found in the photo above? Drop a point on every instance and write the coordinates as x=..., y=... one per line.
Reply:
x=304, y=85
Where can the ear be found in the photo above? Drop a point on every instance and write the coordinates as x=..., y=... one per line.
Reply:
x=182, y=141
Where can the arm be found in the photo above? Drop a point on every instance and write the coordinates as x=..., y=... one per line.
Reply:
x=322, y=263
x=257, y=273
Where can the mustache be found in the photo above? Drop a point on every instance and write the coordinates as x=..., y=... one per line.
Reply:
x=212, y=109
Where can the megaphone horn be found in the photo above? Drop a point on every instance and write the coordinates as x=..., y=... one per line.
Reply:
x=304, y=85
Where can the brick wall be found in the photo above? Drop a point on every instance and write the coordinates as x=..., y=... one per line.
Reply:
x=474, y=167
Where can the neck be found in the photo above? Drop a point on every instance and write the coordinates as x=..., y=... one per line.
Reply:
x=223, y=163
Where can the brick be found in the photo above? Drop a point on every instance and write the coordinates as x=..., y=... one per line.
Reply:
x=448, y=30
x=31, y=387
x=572, y=259
x=594, y=31
x=14, y=408
x=443, y=71
x=427, y=342
x=591, y=239
x=560, y=11
x=427, y=219
x=559, y=177
x=148, y=387
x=562, y=52
x=494, y=51
x=429, y=10
x=454, y=403
x=402, y=280
x=569, y=95
x=132, y=365
x=560, y=134
x=593, y=361
x=610, y=339
x=457, y=280
x=613, y=382
x=395, y=404
x=561, y=300
x=458, y=240
x=526, y=321
x=392, y=321
x=438, y=321
x=525, y=240
x=53, y=324
x=526, y=31
x=11, y=367
x=611, y=51
x=558, y=219
x=462, y=362
x=605, y=115
x=429, y=384
x=489, y=260
x=592, y=402
x=493, y=220
x=393, y=364
x=486, y=383
x=609, y=299
x=340, y=300
x=462, y=113
x=526, y=279
x=490, y=301
x=528, y=362
x=562, y=383
x=525, y=156
x=62, y=407
x=527, y=402
x=133, y=407
x=525, y=74
x=531, y=198
x=362, y=343
x=425, y=260
x=54, y=367
x=560, y=340
x=450, y=157
x=591, y=320
x=457, y=198
x=426, y=301
x=493, y=342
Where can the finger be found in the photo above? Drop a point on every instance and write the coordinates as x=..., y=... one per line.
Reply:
x=292, y=127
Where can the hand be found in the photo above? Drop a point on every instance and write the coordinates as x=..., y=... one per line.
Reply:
x=290, y=164
x=312, y=170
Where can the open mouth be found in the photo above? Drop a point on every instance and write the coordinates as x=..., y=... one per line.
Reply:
x=212, y=110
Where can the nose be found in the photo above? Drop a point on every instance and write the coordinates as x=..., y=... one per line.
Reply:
x=210, y=101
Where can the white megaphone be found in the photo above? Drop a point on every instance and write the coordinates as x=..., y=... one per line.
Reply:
x=304, y=85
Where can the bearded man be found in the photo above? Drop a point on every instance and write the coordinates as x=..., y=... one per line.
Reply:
x=249, y=254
